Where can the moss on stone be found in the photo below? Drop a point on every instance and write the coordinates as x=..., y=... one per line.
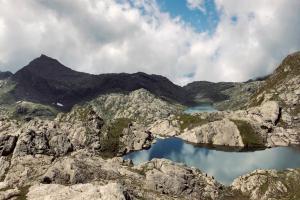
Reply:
x=111, y=144
x=249, y=136
x=190, y=121
x=23, y=193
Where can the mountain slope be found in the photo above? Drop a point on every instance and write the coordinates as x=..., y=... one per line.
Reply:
x=208, y=91
x=45, y=80
x=224, y=95
x=283, y=86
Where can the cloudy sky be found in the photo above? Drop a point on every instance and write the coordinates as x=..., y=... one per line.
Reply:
x=185, y=40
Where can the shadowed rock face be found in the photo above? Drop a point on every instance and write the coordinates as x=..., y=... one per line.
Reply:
x=208, y=91
x=47, y=81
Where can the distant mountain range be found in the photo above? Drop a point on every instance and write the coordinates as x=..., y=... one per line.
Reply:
x=5, y=75
x=45, y=80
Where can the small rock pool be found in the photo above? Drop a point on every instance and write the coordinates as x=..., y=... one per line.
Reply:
x=204, y=107
x=223, y=164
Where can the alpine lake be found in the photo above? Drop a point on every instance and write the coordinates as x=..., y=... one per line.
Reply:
x=224, y=164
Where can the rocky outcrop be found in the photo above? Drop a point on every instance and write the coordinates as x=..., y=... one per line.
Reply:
x=269, y=184
x=253, y=127
x=165, y=127
x=110, y=191
x=135, y=137
x=139, y=105
x=222, y=132
x=9, y=127
x=165, y=177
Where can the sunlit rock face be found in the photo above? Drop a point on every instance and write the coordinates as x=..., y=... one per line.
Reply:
x=223, y=132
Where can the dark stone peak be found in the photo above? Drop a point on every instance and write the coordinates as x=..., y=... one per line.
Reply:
x=44, y=58
x=45, y=67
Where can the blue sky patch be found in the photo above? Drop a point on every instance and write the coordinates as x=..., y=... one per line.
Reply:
x=200, y=21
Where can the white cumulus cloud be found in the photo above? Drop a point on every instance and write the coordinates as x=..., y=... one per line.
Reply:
x=104, y=36
x=196, y=4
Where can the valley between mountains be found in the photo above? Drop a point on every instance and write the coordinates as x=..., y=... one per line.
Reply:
x=63, y=133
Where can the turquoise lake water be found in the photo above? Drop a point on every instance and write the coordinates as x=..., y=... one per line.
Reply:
x=205, y=107
x=223, y=165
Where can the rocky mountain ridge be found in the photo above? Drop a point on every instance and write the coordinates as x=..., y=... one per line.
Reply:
x=48, y=82
x=45, y=80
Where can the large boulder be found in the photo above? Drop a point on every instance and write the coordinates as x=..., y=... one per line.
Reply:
x=222, y=132
x=165, y=127
x=267, y=112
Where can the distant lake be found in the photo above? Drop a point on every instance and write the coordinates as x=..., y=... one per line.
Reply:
x=204, y=107
x=225, y=166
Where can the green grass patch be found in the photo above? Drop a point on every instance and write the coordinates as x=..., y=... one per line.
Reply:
x=296, y=110
x=190, y=121
x=111, y=144
x=28, y=109
x=5, y=96
x=249, y=136
x=23, y=193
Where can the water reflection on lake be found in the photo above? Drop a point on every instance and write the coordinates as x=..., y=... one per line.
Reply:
x=205, y=107
x=224, y=166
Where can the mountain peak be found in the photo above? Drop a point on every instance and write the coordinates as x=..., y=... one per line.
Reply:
x=45, y=65
x=45, y=59
x=43, y=56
